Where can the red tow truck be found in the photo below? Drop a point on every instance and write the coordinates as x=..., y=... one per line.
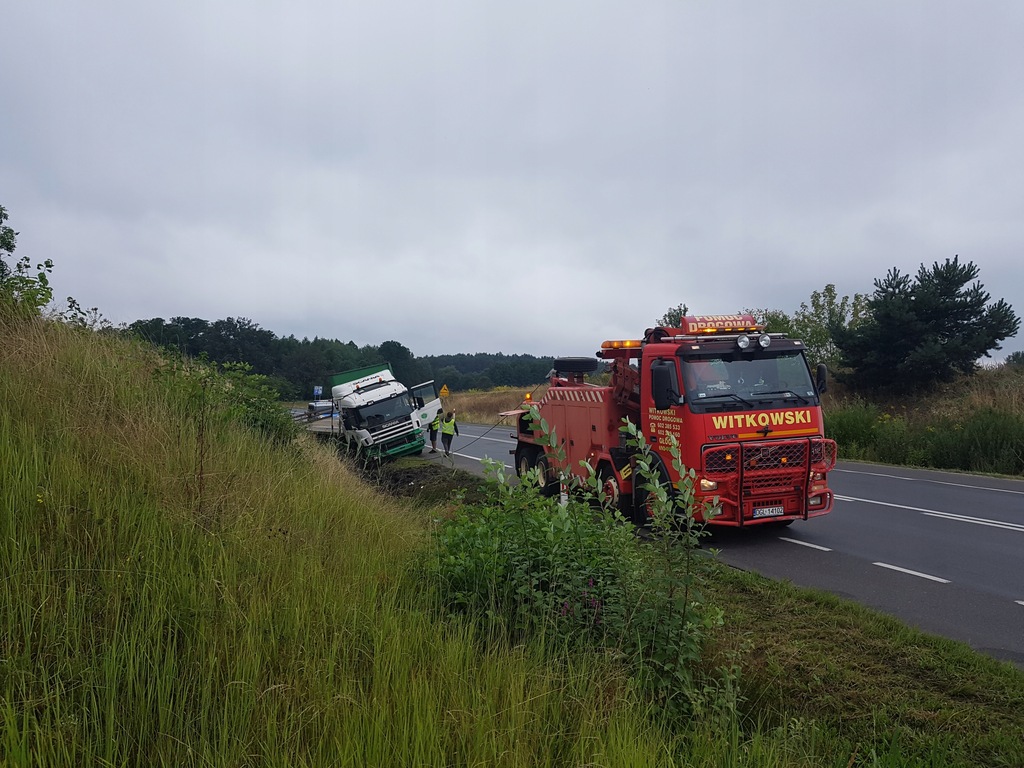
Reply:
x=741, y=403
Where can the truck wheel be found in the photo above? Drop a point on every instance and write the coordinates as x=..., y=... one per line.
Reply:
x=610, y=488
x=549, y=488
x=576, y=364
x=643, y=500
x=524, y=461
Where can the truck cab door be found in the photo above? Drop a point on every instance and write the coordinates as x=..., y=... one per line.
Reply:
x=426, y=401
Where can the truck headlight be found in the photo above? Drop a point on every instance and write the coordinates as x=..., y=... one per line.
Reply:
x=743, y=341
x=708, y=485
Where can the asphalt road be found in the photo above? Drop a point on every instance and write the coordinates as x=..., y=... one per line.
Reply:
x=942, y=551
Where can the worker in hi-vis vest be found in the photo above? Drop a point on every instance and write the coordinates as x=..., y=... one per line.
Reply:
x=449, y=429
x=434, y=426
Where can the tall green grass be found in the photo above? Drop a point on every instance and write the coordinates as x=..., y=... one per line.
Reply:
x=985, y=438
x=871, y=685
x=176, y=591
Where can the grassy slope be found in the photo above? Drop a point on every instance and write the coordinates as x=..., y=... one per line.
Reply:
x=256, y=613
x=251, y=613
x=828, y=677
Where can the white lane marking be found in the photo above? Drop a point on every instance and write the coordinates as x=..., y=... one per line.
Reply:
x=1019, y=602
x=928, y=480
x=978, y=521
x=805, y=544
x=477, y=458
x=912, y=573
x=936, y=513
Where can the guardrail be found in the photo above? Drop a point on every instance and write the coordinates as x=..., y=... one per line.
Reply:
x=300, y=415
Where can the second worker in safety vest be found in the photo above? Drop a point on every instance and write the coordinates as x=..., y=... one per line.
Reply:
x=449, y=429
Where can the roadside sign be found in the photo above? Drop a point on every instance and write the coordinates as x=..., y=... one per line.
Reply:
x=444, y=390
x=317, y=391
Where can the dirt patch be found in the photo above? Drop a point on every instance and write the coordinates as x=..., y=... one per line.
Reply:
x=426, y=482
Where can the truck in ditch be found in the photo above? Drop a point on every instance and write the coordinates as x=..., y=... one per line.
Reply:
x=378, y=416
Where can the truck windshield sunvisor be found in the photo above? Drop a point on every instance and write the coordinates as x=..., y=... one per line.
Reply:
x=373, y=386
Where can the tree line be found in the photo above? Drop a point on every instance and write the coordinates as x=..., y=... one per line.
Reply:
x=911, y=333
x=294, y=366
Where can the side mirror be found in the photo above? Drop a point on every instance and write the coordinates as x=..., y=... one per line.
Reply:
x=661, y=383
x=821, y=379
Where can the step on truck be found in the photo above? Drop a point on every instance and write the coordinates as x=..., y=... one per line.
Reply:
x=741, y=403
x=379, y=416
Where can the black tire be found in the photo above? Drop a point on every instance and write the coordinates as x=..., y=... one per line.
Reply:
x=642, y=501
x=524, y=461
x=550, y=487
x=610, y=487
x=576, y=364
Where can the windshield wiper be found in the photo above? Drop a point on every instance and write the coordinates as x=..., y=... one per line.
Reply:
x=788, y=392
x=725, y=394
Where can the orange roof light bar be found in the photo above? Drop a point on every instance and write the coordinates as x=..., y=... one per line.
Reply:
x=621, y=344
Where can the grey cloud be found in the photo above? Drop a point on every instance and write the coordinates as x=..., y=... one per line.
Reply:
x=530, y=177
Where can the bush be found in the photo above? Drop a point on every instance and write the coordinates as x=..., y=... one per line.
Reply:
x=529, y=565
x=893, y=440
x=988, y=440
x=525, y=564
x=995, y=442
x=853, y=428
x=230, y=392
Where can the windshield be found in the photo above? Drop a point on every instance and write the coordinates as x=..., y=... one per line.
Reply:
x=735, y=382
x=371, y=416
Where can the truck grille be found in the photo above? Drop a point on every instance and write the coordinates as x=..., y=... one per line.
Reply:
x=766, y=474
x=724, y=460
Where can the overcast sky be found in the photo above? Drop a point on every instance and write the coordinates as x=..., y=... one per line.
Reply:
x=517, y=177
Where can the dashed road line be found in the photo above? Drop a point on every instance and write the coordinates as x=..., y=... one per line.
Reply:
x=804, y=543
x=912, y=573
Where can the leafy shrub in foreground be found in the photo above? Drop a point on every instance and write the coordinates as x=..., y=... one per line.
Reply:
x=531, y=565
x=525, y=564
